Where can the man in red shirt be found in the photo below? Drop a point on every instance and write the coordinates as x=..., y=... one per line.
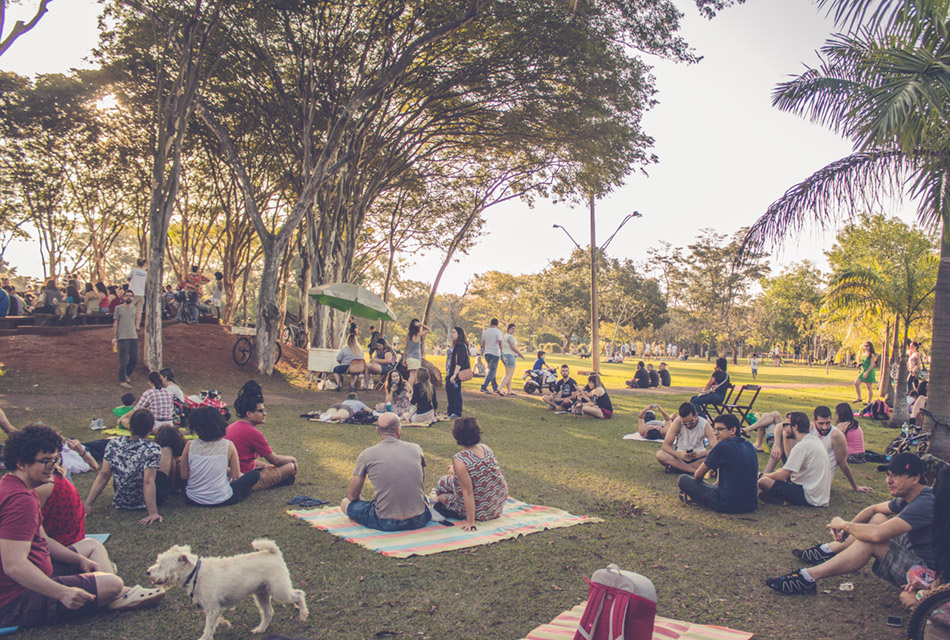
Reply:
x=251, y=445
x=41, y=581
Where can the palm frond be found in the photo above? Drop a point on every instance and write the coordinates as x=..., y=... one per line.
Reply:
x=830, y=194
x=904, y=17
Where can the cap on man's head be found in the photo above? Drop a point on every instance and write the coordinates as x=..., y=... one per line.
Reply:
x=904, y=464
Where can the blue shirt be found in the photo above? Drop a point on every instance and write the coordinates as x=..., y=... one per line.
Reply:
x=738, y=467
x=4, y=303
x=919, y=514
x=539, y=364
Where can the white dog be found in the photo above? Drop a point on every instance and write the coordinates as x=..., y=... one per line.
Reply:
x=216, y=583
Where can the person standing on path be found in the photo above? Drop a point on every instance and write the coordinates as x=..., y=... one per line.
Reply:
x=456, y=361
x=866, y=374
x=509, y=349
x=125, y=337
x=137, y=278
x=491, y=349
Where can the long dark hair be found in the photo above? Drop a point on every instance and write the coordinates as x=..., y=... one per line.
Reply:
x=398, y=388
x=843, y=413
x=460, y=339
x=415, y=328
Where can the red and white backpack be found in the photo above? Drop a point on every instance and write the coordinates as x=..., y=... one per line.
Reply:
x=621, y=605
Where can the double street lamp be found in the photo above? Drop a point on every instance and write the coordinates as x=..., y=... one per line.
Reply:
x=594, y=315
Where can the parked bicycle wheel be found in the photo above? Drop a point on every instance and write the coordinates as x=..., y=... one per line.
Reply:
x=896, y=446
x=931, y=618
x=302, y=340
x=286, y=335
x=241, y=351
x=923, y=445
x=190, y=314
x=277, y=358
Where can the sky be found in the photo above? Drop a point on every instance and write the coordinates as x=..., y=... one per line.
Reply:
x=725, y=153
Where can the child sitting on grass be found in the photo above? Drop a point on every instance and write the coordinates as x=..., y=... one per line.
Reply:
x=128, y=403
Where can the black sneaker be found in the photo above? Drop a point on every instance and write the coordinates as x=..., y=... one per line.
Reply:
x=792, y=584
x=813, y=555
x=668, y=469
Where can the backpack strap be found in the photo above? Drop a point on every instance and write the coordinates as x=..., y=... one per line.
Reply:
x=618, y=617
x=595, y=605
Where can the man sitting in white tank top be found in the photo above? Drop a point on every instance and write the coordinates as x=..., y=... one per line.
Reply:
x=684, y=447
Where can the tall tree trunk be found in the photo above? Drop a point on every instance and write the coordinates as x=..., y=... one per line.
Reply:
x=938, y=388
x=886, y=389
x=900, y=414
x=885, y=359
x=268, y=315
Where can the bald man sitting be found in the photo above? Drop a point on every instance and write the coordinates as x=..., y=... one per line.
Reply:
x=397, y=470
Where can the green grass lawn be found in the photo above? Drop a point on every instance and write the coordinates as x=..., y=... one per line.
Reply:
x=707, y=567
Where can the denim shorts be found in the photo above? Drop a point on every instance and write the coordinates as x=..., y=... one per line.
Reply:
x=364, y=512
x=508, y=359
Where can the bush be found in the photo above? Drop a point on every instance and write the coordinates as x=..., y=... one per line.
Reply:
x=550, y=347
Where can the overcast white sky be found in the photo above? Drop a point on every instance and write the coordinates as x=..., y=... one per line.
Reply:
x=725, y=152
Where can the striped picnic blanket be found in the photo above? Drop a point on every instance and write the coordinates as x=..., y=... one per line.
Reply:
x=517, y=519
x=564, y=626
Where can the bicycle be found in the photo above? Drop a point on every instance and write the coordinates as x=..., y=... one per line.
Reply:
x=244, y=347
x=911, y=436
x=295, y=336
x=189, y=312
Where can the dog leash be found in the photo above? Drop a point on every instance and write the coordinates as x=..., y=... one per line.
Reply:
x=193, y=574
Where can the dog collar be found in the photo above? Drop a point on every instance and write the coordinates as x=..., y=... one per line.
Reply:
x=193, y=574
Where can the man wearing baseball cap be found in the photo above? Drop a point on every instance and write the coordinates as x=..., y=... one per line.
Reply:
x=895, y=534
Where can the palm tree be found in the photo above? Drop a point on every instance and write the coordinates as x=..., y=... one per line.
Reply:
x=885, y=84
x=897, y=281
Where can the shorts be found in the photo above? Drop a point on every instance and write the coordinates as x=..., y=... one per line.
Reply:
x=33, y=609
x=898, y=560
x=413, y=363
x=350, y=410
x=508, y=359
x=607, y=413
x=341, y=368
x=789, y=492
x=364, y=512
x=270, y=477
x=385, y=369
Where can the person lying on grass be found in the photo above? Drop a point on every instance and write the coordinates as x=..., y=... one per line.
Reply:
x=475, y=489
x=132, y=462
x=649, y=427
x=897, y=535
x=737, y=465
x=252, y=446
x=684, y=446
x=805, y=480
x=834, y=441
x=34, y=591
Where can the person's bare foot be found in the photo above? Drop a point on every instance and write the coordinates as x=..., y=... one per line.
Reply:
x=125, y=385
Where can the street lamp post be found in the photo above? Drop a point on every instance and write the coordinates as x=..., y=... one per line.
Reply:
x=594, y=314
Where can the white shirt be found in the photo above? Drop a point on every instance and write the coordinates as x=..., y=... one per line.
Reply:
x=137, y=281
x=491, y=337
x=688, y=439
x=508, y=345
x=808, y=463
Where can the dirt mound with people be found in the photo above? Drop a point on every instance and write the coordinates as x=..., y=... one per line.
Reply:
x=83, y=359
